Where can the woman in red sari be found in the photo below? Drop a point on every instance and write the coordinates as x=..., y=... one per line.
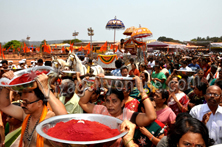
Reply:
x=178, y=100
x=130, y=103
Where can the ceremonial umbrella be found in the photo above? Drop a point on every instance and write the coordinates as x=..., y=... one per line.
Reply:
x=115, y=24
x=141, y=33
x=129, y=31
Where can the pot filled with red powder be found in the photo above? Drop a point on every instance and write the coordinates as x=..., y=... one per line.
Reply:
x=81, y=130
x=25, y=79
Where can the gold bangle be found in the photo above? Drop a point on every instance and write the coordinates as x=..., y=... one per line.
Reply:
x=144, y=99
x=144, y=96
x=133, y=145
x=128, y=141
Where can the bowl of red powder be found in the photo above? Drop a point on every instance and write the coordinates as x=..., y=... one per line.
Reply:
x=81, y=130
x=25, y=79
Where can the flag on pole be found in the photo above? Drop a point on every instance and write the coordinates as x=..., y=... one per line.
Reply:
x=87, y=47
x=3, y=55
x=63, y=49
x=80, y=48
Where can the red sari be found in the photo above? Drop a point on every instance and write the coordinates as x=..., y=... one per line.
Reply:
x=132, y=105
x=183, y=99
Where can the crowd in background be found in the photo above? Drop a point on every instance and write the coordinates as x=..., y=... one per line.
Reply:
x=174, y=100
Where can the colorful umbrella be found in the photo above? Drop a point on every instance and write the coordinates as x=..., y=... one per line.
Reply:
x=115, y=24
x=129, y=31
x=141, y=33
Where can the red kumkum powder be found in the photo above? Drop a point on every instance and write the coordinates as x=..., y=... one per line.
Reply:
x=88, y=131
x=26, y=77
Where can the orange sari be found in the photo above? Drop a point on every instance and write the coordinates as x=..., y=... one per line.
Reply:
x=40, y=139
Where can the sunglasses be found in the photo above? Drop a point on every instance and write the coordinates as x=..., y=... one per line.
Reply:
x=25, y=103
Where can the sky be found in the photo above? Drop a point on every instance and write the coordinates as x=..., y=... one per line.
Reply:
x=58, y=19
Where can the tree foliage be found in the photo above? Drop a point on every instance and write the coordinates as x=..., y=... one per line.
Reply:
x=72, y=41
x=163, y=38
x=213, y=39
x=13, y=44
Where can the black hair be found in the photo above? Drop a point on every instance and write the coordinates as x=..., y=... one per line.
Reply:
x=165, y=94
x=176, y=66
x=158, y=66
x=182, y=116
x=161, y=64
x=90, y=60
x=40, y=95
x=187, y=125
x=131, y=59
x=118, y=63
x=5, y=61
x=146, y=75
x=123, y=67
x=134, y=64
x=213, y=66
x=200, y=69
x=143, y=65
x=202, y=87
x=48, y=63
x=40, y=61
x=141, y=105
x=184, y=62
x=119, y=93
x=219, y=83
x=16, y=103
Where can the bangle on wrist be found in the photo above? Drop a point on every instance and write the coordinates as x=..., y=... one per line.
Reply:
x=144, y=99
x=133, y=145
x=151, y=138
x=128, y=141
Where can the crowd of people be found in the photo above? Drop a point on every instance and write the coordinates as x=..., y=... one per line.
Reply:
x=174, y=100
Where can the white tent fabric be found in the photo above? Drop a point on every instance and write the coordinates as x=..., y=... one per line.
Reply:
x=216, y=44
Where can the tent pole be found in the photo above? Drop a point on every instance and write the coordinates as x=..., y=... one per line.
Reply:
x=114, y=35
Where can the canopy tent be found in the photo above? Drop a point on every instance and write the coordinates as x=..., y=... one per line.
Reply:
x=156, y=44
x=216, y=45
x=175, y=45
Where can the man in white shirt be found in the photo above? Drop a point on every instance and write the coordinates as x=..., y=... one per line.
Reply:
x=21, y=65
x=25, y=63
x=211, y=113
x=184, y=66
x=150, y=64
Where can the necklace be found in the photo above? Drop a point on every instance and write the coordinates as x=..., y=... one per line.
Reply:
x=29, y=137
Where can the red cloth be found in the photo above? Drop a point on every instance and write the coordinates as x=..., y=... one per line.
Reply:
x=205, y=67
x=136, y=72
x=183, y=99
x=132, y=105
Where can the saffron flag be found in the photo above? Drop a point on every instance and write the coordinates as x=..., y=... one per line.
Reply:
x=88, y=51
x=116, y=47
x=71, y=47
x=80, y=48
x=111, y=47
x=87, y=47
x=63, y=49
x=38, y=49
x=3, y=55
